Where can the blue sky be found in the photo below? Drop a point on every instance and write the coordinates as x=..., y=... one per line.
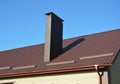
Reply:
x=22, y=22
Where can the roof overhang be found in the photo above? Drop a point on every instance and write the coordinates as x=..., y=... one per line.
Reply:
x=53, y=71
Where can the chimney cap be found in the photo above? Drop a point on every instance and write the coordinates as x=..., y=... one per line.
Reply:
x=51, y=13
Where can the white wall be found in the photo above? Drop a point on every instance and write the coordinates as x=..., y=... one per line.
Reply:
x=70, y=78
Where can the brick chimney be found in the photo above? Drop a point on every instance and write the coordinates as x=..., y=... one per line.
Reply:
x=54, y=33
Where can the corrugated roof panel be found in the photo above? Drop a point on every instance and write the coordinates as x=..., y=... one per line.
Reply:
x=73, y=49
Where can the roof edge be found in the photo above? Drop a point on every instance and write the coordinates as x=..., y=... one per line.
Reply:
x=101, y=32
x=53, y=71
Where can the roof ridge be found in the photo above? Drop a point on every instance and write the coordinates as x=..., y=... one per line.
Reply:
x=93, y=34
x=21, y=47
x=63, y=40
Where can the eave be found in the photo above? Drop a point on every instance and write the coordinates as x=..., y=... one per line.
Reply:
x=53, y=71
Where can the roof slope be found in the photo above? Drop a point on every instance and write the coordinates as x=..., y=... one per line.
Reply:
x=78, y=53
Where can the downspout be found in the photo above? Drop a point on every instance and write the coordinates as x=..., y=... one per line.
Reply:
x=99, y=74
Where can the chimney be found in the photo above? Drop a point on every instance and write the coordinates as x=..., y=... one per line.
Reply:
x=53, y=41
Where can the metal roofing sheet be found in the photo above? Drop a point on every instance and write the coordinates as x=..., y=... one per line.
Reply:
x=99, y=46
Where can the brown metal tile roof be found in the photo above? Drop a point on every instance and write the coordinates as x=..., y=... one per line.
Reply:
x=80, y=53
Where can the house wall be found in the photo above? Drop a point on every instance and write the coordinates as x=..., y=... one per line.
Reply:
x=85, y=77
x=105, y=78
x=114, y=72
